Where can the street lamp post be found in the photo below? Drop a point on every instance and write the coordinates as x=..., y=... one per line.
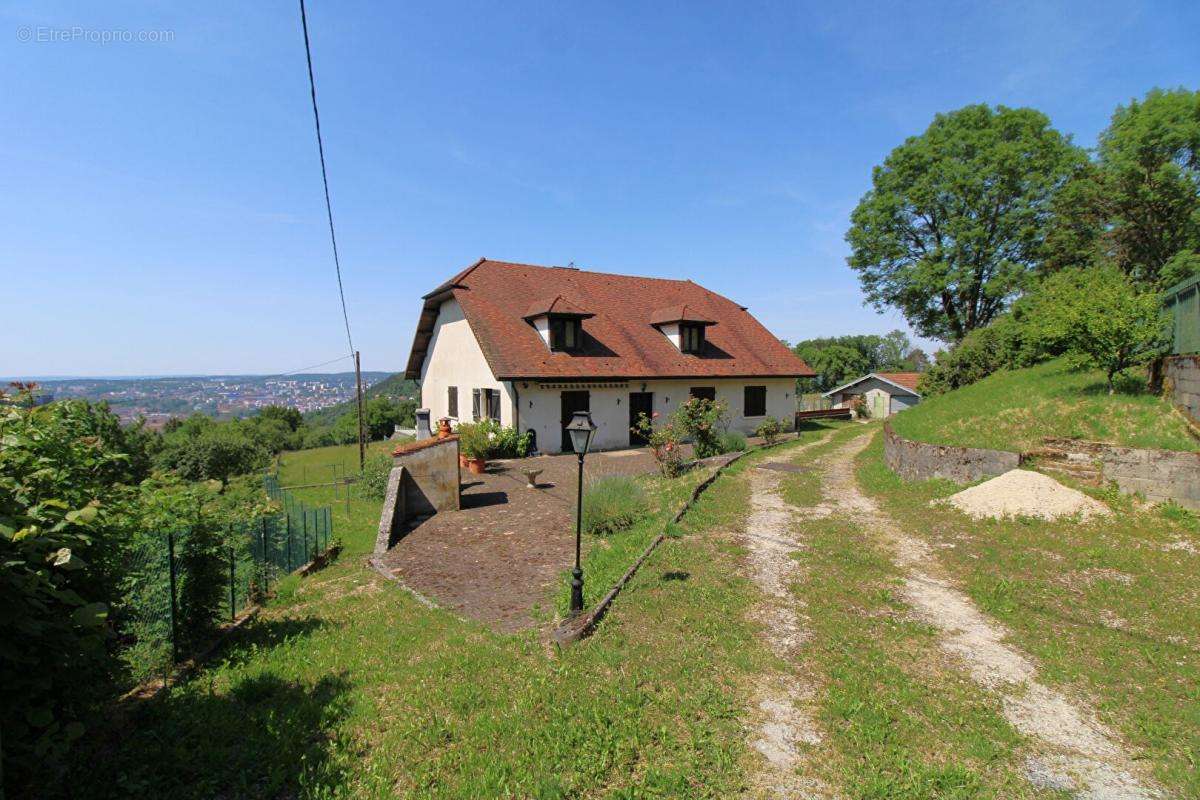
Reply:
x=581, y=429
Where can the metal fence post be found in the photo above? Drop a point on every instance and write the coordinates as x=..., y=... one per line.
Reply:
x=174, y=611
x=232, y=595
x=287, y=518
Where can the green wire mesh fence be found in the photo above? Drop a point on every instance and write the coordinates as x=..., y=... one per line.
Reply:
x=181, y=585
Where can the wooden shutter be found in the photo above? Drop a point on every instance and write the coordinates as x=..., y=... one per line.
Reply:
x=754, y=401
x=475, y=405
x=493, y=404
x=452, y=401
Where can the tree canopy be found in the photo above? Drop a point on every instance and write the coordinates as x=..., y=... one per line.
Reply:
x=955, y=220
x=1138, y=205
x=837, y=359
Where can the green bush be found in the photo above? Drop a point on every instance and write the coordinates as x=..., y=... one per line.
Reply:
x=372, y=484
x=982, y=352
x=701, y=420
x=198, y=451
x=473, y=440
x=64, y=495
x=769, y=429
x=612, y=504
x=509, y=443
x=731, y=442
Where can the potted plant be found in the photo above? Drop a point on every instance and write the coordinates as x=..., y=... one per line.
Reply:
x=443, y=428
x=474, y=446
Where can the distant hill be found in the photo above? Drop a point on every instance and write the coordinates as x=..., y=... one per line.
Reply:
x=394, y=386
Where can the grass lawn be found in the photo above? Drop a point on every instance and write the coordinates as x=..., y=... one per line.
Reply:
x=1014, y=410
x=1110, y=608
x=346, y=686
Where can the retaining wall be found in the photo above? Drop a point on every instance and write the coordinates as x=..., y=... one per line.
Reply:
x=424, y=480
x=1182, y=383
x=920, y=461
x=1159, y=475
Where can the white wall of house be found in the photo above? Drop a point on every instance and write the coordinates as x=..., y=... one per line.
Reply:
x=541, y=405
x=454, y=359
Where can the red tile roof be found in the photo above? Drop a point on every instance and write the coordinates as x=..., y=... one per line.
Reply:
x=680, y=313
x=556, y=305
x=620, y=340
x=906, y=379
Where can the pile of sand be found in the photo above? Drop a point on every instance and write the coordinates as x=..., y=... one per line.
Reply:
x=1023, y=493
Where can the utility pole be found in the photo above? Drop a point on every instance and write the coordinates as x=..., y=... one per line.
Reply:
x=362, y=444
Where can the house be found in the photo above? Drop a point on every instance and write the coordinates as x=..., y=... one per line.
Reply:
x=885, y=393
x=529, y=346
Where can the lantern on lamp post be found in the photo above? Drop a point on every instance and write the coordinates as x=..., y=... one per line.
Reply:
x=582, y=430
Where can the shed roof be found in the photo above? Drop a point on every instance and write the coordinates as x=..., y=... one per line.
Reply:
x=905, y=381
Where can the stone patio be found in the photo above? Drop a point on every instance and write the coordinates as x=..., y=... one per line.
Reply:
x=501, y=555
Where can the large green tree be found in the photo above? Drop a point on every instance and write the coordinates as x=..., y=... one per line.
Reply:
x=955, y=219
x=1138, y=205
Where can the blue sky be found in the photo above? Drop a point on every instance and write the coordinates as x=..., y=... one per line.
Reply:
x=161, y=201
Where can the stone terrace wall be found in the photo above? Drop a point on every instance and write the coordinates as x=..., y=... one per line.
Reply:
x=920, y=461
x=1182, y=374
x=424, y=480
x=1159, y=475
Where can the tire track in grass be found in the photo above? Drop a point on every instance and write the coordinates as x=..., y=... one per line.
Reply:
x=785, y=721
x=1075, y=751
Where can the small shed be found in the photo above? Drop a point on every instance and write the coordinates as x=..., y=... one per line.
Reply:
x=885, y=393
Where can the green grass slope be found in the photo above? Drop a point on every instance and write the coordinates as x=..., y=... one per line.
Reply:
x=1014, y=410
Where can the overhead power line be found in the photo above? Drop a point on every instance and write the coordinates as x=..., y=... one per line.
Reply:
x=311, y=366
x=312, y=85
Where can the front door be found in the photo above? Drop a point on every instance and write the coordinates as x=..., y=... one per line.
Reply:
x=572, y=402
x=639, y=403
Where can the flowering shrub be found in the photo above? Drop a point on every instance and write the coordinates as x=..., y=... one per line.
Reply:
x=664, y=441
x=702, y=420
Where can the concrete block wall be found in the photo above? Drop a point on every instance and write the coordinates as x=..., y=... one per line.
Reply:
x=424, y=480
x=1182, y=381
x=1158, y=475
x=921, y=461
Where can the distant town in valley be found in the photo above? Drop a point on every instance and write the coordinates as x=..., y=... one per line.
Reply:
x=158, y=399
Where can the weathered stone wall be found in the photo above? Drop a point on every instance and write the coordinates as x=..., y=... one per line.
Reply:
x=424, y=480
x=920, y=461
x=1182, y=382
x=431, y=481
x=394, y=512
x=1159, y=475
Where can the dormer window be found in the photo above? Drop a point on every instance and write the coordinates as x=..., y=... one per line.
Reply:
x=559, y=322
x=566, y=333
x=684, y=326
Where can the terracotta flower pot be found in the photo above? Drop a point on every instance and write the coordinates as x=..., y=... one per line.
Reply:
x=443, y=429
x=477, y=465
x=462, y=460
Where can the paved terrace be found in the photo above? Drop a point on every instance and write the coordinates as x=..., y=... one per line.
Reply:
x=502, y=554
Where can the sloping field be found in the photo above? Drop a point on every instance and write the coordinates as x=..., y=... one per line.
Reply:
x=1015, y=410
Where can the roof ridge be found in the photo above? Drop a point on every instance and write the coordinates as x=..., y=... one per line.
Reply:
x=580, y=270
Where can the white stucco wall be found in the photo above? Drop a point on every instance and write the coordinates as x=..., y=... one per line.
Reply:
x=454, y=359
x=541, y=407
